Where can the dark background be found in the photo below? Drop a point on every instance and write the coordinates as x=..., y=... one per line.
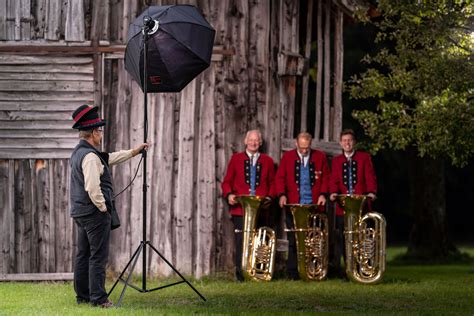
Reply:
x=391, y=166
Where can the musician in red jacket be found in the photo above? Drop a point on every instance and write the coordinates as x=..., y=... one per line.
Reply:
x=248, y=173
x=352, y=173
x=302, y=178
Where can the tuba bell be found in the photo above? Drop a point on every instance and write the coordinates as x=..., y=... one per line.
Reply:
x=364, y=240
x=311, y=234
x=259, y=246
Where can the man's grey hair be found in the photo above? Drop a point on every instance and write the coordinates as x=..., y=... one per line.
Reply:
x=259, y=134
x=85, y=133
x=304, y=135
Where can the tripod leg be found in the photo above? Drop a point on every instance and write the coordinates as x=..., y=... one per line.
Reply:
x=125, y=269
x=137, y=253
x=175, y=270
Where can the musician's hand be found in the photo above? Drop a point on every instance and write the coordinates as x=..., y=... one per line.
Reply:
x=231, y=199
x=321, y=200
x=333, y=196
x=282, y=201
x=371, y=196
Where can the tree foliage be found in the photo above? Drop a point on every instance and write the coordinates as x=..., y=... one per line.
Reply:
x=422, y=79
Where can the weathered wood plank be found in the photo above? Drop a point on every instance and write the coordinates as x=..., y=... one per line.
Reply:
x=48, y=69
x=38, y=10
x=32, y=143
x=206, y=184
x=338, y=73
x=319, y=72
x=327, y=68
x=307, y=55
x=185, y=199
x=26, y=153
x=42, y=60
x=273, y=121
x=53, y=18
x=63, y=230
x=24, y=20
x=3, y=20
x=11, y=13
x=28, y=277
x=6, y=215
x=33, y=115
x=40, y=106
x=30, y=85
x=38, y=134
x=288, y=28
x=43, y=208
x=21, y=125
x=23, y=221
x=259, y=21
x=74, y=28
x=162, y=220
x=45, y=76
x=80, y=96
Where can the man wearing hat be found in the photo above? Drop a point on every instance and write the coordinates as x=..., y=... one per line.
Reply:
x=92, y=205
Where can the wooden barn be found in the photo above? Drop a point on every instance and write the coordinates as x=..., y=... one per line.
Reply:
x=276, y=66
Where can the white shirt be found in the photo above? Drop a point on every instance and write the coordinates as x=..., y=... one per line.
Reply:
x=92, y=168
x=305, y=159
x=255, y=157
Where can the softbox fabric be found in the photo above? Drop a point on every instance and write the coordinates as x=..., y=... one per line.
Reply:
x=177, y=52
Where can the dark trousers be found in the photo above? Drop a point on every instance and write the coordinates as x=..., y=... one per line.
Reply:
x=238, y=224
x=93, y=232
x=340, y=242
x=292, y=262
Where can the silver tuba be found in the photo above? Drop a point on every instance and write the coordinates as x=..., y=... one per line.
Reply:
x=364, y=240
x=311, y=234
x=259, y=246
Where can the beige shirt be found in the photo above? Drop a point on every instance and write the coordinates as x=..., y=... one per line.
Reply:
x=92, y=168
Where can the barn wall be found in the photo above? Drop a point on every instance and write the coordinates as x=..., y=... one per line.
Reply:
x=251, y=83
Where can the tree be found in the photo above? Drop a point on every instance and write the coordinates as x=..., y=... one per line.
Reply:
x=422, y=82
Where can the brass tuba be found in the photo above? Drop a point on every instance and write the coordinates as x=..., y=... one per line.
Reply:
x=364, y=240
x=311, y=234
x=259, y=246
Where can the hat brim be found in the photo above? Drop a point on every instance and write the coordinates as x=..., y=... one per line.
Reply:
x=89, y=126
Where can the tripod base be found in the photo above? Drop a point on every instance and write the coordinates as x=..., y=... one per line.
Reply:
x=133, y=262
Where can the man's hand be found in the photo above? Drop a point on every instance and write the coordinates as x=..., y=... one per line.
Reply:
x=321, y=200
x=333, y=197
x=137, y=150
x=282, y=201
x=371, y=196
x=231, y=199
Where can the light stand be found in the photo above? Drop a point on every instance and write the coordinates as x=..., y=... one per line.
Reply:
x=149, y=26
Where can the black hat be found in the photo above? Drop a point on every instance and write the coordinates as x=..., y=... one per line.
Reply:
x=86, y=117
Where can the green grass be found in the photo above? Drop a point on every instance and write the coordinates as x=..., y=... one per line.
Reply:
x=405, y=290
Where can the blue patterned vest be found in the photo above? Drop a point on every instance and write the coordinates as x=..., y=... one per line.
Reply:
x=306, y=196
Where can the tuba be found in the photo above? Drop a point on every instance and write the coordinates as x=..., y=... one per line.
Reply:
x=259, y=246
x=311, y=234
x=364, y=240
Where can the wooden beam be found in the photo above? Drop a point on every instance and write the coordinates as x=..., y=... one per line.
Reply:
x=307, y=55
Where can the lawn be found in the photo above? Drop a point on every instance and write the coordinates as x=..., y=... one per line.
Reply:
x=405, y=290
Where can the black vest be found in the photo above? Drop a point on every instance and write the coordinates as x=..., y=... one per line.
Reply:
x=81, y=204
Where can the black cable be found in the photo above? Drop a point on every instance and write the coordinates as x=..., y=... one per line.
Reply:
x=138, y=168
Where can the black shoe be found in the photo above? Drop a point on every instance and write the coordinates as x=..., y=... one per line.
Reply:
x=82, y=301
x=107, y=304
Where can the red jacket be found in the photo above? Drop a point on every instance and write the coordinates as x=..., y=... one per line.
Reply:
x=287, y=177
x=364, y=179
x=237, y=178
